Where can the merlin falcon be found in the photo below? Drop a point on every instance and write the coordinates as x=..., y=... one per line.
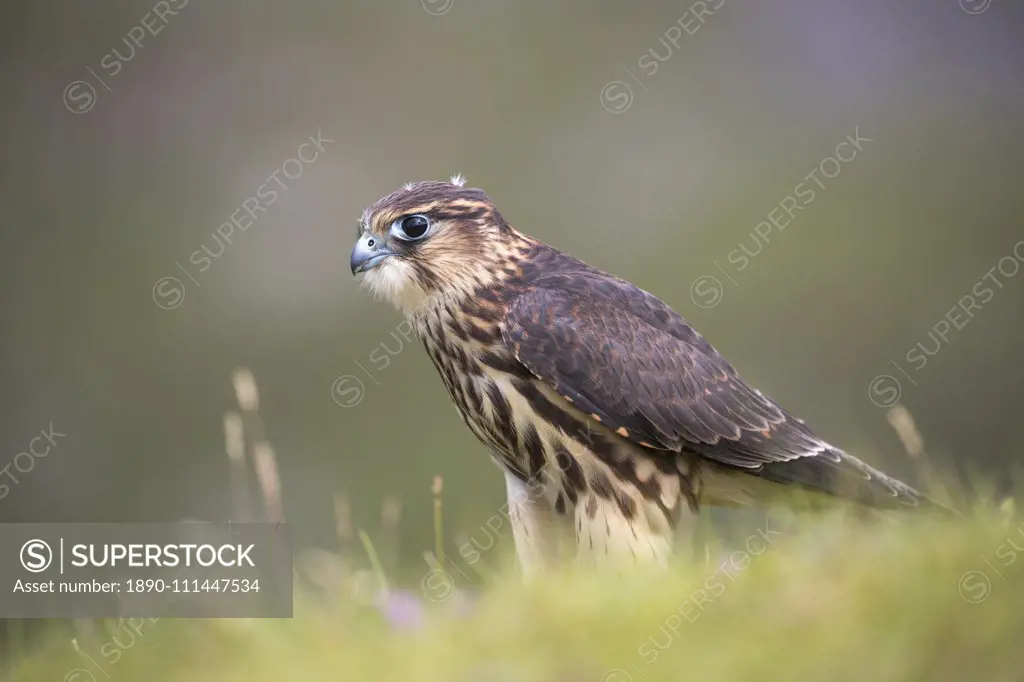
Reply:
x=608, y=414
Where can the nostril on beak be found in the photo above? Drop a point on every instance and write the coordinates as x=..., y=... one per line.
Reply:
x=367, y=254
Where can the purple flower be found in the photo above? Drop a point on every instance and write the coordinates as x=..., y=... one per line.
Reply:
x=403, y=610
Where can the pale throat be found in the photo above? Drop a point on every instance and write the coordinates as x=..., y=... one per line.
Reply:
x=398, y=283
x=395, y=282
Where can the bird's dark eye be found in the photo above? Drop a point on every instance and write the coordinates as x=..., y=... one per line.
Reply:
x=410, y=228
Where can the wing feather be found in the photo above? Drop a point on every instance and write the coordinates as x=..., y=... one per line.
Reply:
x=624, y=356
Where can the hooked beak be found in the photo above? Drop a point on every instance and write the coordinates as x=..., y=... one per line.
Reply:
x=369, y=252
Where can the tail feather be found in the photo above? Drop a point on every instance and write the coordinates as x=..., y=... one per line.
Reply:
x=837, y=475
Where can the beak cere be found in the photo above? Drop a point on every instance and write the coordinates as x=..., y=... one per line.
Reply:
x=369, y=252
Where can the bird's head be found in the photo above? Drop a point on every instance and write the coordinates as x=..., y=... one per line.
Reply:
x=429, y=239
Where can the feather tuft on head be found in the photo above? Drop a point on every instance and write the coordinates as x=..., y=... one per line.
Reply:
x=458, y=180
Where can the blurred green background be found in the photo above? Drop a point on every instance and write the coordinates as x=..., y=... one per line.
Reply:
x=527, y=100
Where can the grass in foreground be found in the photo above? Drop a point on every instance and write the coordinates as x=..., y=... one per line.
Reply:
x=913, y=601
